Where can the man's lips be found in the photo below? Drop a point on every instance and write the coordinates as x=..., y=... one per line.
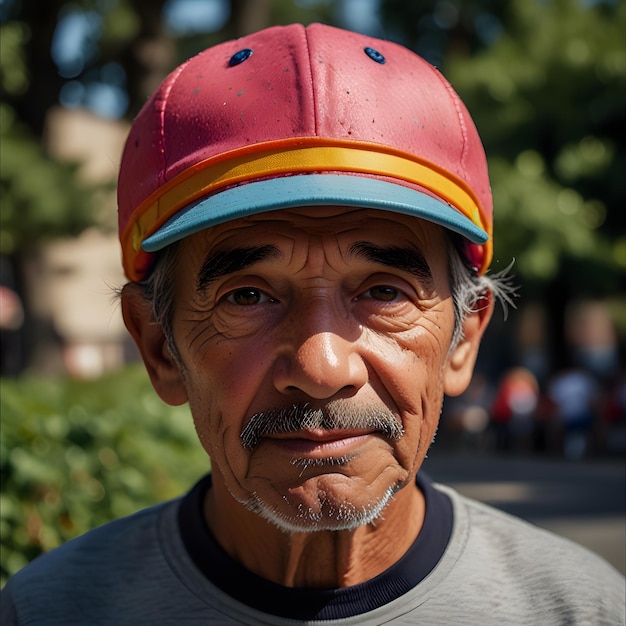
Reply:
x=319, y=442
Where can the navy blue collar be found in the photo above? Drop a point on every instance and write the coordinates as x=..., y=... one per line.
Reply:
x=305, y=603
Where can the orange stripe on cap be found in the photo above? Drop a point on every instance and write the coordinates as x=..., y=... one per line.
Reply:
x=287, y=157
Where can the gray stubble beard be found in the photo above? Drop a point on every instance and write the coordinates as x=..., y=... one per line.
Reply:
x=338, y=414
x=345, y=517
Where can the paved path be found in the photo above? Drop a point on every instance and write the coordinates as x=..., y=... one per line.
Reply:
x=583, y=501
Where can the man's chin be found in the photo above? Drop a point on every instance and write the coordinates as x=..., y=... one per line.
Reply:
x=324, y=516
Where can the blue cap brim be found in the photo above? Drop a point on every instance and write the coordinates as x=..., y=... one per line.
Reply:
x=310, y=190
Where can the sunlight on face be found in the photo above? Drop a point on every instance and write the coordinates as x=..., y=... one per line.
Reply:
x=314, y=343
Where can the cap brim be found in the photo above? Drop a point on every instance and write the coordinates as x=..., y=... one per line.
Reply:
x=311, y=190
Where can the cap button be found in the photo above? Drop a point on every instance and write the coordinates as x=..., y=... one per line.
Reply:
x=240, y=57
x=374, y=55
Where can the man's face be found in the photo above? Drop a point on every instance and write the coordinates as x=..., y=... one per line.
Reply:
x=341, y=319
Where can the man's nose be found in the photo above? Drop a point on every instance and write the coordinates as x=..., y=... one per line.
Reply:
x=320, y=358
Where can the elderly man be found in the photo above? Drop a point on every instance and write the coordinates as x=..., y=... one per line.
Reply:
x=305, y=218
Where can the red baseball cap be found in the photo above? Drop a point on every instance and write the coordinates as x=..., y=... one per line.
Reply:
x=301, y=116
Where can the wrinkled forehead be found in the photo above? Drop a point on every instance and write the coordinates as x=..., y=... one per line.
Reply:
x=332, y=230
x=331, y=221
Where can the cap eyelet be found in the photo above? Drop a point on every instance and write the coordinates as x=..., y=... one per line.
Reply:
x=374, y=55
x=240, y=57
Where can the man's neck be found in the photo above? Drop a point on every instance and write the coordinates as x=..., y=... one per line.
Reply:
x=322, y=559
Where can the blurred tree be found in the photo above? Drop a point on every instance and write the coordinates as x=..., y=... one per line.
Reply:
x=40, y=197
x=440, y=30
x=544, y=80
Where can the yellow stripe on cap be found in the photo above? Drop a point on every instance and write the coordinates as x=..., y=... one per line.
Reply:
x=285, y=157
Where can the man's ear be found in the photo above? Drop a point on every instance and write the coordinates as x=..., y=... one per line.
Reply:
x=461, y=361
x=162, y=368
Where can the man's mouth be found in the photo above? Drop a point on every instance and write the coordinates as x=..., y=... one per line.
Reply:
x=334, y=424
x=320, y=443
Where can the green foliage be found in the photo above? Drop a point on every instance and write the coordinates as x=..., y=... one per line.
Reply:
x=41, y=197
x=13, y=70
x=547, y=97
x=539, y=221
x=289, y=12
x=120, y=24
x=76, y=454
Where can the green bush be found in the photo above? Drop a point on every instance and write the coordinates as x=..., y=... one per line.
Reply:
x=76, y=454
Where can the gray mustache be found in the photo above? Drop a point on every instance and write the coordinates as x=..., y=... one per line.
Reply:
x=336, y=415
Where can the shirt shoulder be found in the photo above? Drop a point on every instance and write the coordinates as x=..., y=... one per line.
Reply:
x=520, y=568
x=120, y=560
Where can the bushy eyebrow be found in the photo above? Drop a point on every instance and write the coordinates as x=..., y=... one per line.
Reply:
x=408, y=259
x=224, y=262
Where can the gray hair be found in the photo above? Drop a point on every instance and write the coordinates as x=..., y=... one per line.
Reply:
x=158, y=289
x=469, y=291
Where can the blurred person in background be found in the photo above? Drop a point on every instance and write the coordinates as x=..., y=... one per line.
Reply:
x=576, y=397
x=513, y=410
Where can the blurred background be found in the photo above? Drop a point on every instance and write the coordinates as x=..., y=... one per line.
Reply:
x=84, y=439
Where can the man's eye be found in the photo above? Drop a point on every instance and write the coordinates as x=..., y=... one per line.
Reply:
x=383, y=293
x=247, y=296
